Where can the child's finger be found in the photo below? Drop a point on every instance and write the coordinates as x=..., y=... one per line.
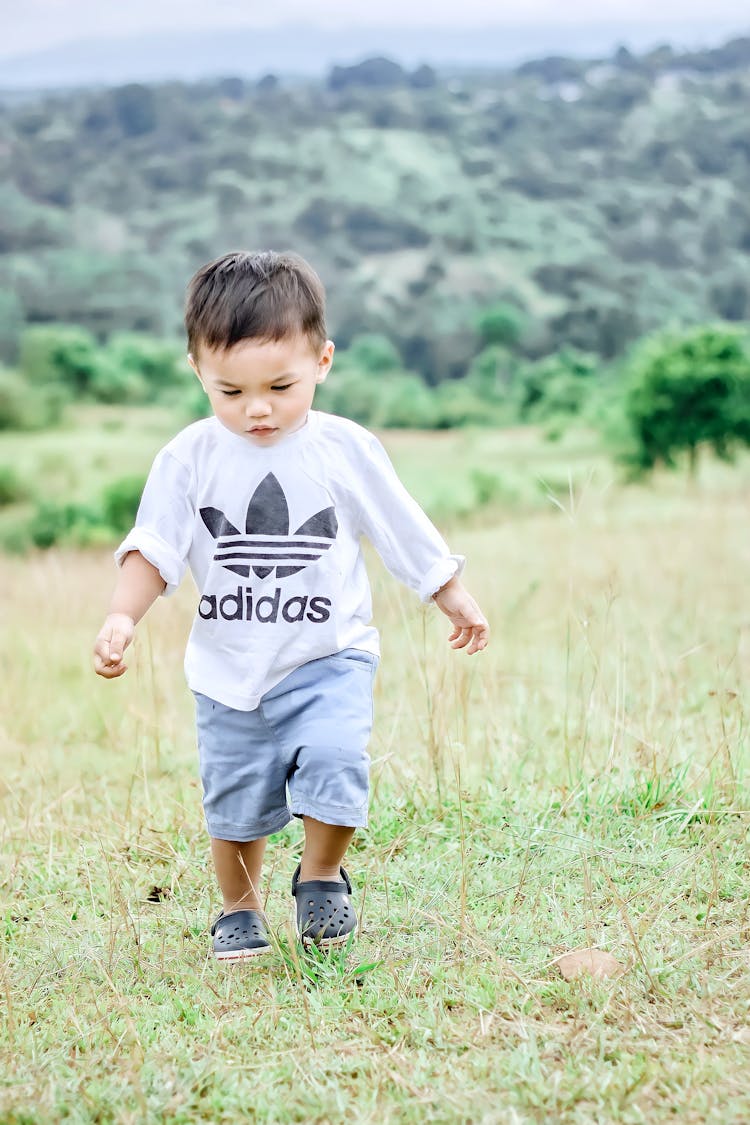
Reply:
x=108, y=649
x=117, y=644
x=103, y=667
x=101, y=650
x=462, y=638
x=479, y=639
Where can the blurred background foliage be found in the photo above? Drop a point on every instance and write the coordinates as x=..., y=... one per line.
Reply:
x=566, y=243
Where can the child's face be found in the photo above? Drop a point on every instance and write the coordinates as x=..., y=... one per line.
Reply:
x=262, y=390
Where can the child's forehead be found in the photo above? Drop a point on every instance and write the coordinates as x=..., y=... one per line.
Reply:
x=256, y=356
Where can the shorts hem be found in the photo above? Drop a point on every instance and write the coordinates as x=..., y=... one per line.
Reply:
x=344, y=818
x=244, y=833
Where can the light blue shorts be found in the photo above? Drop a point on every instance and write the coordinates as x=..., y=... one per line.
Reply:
x=308, y=737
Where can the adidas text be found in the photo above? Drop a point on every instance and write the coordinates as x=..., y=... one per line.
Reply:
x=267, y=609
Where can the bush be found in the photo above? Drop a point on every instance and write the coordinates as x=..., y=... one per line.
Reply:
x=455, y=404
x=489, y=488
x=350, y=394
x=148, y=366
x=24, y=407
x=14, y=401
x=132, y=368
x=558, y=385
x=491, y=373
x=53, y=523
x=64, y=354
x=12, y=488
x=120, y=502
x=502, y=324
x=687, y=390
x=194, y=403
x=372, y=354
x=113, y=384
x=81, y=524
x=404, y=402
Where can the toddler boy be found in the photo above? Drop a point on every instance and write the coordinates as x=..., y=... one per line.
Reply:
x=266, y=502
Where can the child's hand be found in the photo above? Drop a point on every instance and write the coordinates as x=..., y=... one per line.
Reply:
x=470, y=624
x=114, y=637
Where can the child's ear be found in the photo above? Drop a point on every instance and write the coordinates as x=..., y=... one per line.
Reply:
x=325, y=361
x=194, y=366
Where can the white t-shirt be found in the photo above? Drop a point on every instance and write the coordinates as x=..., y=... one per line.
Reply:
x=272, y=538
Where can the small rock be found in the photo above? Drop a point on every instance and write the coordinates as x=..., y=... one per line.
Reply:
x=594, y=962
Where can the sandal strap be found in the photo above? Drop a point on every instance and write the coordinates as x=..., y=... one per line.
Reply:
x=328, y=886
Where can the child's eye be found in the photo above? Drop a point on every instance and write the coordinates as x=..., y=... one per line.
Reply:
x=284, y=388
x=230, y=394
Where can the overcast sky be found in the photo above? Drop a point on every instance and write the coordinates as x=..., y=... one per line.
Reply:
x=36, y=24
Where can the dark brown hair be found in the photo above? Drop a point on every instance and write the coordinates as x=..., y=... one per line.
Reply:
x=254, y=296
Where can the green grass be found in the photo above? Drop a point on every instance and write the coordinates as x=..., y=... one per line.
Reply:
x=582, y=783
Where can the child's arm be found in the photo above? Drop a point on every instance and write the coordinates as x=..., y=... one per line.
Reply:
x=470, y=626
x=139, y=584
x=413, y=549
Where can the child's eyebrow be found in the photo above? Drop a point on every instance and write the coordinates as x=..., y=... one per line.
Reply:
x=278, y=379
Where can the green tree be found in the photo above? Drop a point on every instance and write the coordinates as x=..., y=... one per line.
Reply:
x=148, y=365
x=559, y=384
x=135, y=108
x=404, y=402
x=491, y=373
x=501, y=324
x=373, y=354
x=64, y=354
x=457, y=404
x=687, y=390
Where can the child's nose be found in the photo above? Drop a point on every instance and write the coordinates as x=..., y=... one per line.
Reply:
x=258, y=408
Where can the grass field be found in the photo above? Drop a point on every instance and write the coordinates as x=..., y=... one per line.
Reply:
x=582, y=783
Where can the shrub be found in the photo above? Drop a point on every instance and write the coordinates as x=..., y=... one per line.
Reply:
x=372, y=354
x=557, y=385
x=12, y=488
x=112, y=384
x=64, y=354
x=404, y=402
x=501, y=324
x=455, y=403
x=120, y=502
x=488, y=487
x=685, y=390
x=148, y=366
x=491, y=373
x=350, y=394
x=53, y=523
x=24, y=407
x=194, y=402
x=14, y=401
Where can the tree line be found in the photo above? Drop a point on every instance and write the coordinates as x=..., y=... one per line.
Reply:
x=597, y=199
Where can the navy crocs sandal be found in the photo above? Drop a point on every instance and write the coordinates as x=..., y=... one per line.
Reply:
x=239, y=935
x=325, y=915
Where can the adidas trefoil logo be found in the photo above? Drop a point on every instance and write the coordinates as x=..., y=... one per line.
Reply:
x=267, y=545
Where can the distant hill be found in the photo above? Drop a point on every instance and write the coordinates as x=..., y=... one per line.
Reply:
x=595, y=199
x=305, y=49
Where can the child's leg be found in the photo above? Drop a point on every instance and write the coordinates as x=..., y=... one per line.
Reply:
x=325, y=845
x=238, y=866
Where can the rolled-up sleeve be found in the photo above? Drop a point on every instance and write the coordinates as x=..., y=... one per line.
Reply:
x=164, y=524
x=409, y=544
